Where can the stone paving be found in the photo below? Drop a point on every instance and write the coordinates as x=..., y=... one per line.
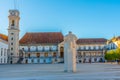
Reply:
x=94, y=71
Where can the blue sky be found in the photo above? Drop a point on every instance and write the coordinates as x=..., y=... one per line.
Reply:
x=85, y=18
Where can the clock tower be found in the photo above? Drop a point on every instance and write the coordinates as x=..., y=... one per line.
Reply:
x=13, y=36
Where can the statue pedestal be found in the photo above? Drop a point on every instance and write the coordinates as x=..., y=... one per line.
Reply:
x=70, y=53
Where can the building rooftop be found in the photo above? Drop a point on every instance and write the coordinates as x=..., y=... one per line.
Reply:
x=42, y=37
x=3, y=37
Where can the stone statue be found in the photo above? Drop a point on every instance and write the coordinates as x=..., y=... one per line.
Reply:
x=70, y=52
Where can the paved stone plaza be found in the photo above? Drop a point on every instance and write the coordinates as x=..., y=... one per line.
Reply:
x=94, y=71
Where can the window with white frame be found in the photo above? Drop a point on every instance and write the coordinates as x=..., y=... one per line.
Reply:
x=115, y=46
x=97, y=47
x=1, y=60
x=82, y=47
x=79, y=48
x=102, y=47
x=25, y=48
x=4, y=52
x=4, y=60
x=88, y=54
x=40, y=48
x=46, y=48
x=33, y=48
x=94, y=54
x=92, y=47
x=11, y=48
x=1, y=51
x=53, y=47
x=12, y=33
x=87, y=47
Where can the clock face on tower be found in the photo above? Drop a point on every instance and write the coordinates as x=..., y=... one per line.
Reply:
x=12, y=13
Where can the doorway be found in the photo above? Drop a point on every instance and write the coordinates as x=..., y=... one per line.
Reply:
x=11, y=62
x=26, y=62
x=61, y=52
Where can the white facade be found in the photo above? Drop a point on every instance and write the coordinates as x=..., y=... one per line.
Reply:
x=36, y=54
x=111, y=46
x=90, y=53
x=51, y=53
x=3, y=51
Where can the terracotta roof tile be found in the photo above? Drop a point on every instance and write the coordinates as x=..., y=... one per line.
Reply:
x=42, y=37
x=3, y=37
x=91, y=41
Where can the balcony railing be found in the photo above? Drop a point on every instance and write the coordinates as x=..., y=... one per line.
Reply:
x=40, y=50
x=89, y=49
x=41, y=57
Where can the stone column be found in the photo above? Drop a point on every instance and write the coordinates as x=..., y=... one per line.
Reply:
x=70, y=53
